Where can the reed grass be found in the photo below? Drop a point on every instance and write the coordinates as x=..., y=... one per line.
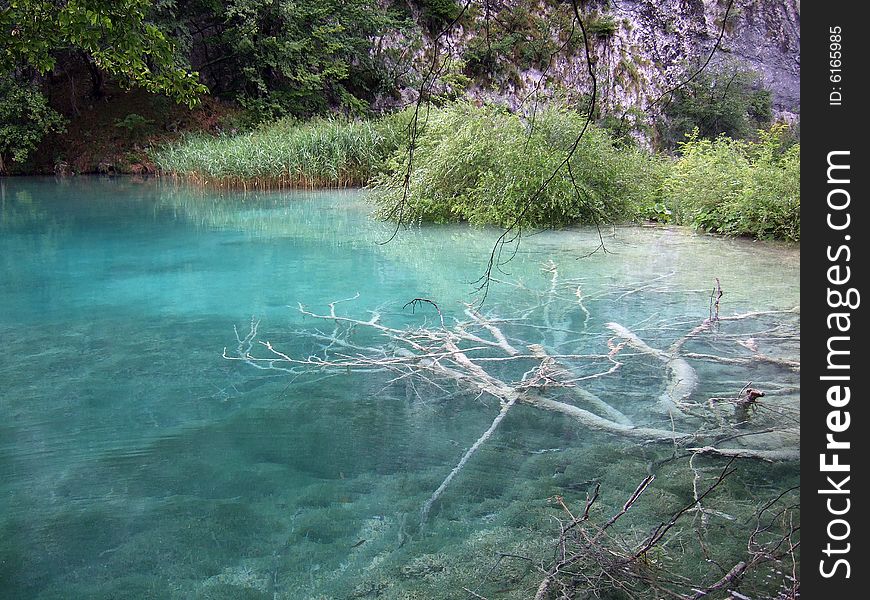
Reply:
x=323, y=153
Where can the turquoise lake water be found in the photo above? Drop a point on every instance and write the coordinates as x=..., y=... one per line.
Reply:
x=137, y=462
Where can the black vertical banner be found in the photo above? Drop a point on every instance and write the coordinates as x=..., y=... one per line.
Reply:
x=834, y=237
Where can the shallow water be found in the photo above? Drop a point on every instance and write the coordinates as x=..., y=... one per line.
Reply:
x=137, y=462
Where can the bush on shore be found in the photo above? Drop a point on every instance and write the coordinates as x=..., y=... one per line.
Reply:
x=485, y=164
x=737, y=187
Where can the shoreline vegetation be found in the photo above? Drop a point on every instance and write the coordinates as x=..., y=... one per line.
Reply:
x=321, y=153
x=481, y=164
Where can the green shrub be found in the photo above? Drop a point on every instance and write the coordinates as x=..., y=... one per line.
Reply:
x=738, y=187
x=25, y=118
x=723, y=100
x=514, y=37
x=437, y=14
x=483, y=165
x=135, y=125
x=601, y=25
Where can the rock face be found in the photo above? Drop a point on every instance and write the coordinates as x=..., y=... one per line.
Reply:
x=661, y=36
x=767, y=37
x=645, y=47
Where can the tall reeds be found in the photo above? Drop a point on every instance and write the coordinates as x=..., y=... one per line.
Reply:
x=486, y=165
x=285, y=154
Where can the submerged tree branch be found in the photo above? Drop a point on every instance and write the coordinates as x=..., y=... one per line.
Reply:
x=477, y=354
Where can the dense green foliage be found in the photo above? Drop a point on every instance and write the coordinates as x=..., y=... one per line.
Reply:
x=25, y=117
x=723, y=100
x=738, y=187
x=289, y=57
x=484, y=165
x=287, y=153
x=272, y=57
x=507, y=38
x=105, y=39
x=436, y=14
x=114, y=36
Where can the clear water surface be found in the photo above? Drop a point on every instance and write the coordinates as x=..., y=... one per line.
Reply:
x=137, y=462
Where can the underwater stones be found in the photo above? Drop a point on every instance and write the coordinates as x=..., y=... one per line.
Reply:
x=425, y=566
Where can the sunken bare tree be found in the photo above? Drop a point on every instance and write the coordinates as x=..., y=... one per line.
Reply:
x=516, y=360
x=547, y=356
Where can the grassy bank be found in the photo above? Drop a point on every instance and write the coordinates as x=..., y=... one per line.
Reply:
x=484, y=164
x=286, y=153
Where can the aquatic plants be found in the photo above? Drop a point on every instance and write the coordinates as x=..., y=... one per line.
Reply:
x=483, y=164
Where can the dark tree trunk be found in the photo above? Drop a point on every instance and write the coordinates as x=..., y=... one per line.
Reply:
x=96, y=77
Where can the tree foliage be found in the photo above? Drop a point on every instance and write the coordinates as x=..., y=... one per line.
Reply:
x=436, y=14
x=724, y=100
x=116, y=35
x=25, y=118
x=280, y=57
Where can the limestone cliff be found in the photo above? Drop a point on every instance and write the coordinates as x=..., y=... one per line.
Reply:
x=640, y=47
